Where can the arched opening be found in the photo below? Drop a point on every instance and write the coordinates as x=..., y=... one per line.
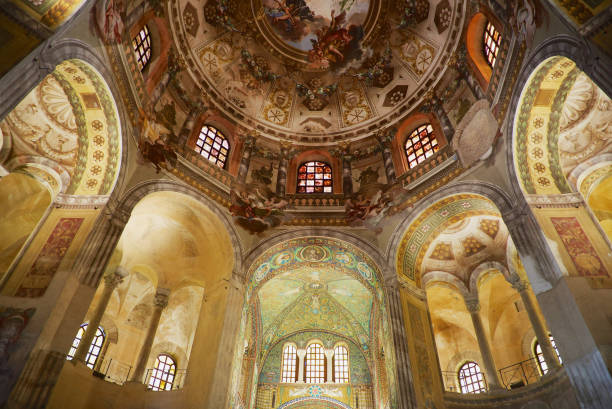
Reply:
x=318, y=317
x=560, y=144
x=65, y=139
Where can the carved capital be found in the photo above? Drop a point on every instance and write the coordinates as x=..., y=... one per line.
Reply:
x=114, y=279
x=520, y=285
x=161, y=298
x=472, y=304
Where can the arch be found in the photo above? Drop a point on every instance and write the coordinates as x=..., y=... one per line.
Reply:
x=314, y=155
x=140, y=191
x=408, y=249
x=160, y=48
x=433, y=277
x=289, y=363
x=52, y=14
x=229, y=130
x=400, y=161
x=309, y=401
x=475, y=45
x=482, y=269
x=585, y=57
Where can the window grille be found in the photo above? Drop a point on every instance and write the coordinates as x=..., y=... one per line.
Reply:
x=213, y=145
x=314, y=177
x=420, y=145
x=162, y=376
x=492, y=41
x=471, y=379
x=142, y=47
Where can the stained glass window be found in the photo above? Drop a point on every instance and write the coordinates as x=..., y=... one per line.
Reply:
x=315, y=364
x=142, y=47
x=94, y=349
x=471, y=379
x=420, y=145
x=213, y=145
x=540, y=356
x=289, y=364
x=492, y=41
x=162, y=376
x=314, y=177
x=341, y=364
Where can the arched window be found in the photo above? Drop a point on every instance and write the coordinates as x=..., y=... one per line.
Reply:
x=314, y=177
x=315, y=364
x=491, y=41
x=341, y=364
x=213, y=145
x=537, y=350
x=289, y=370
x=162, y=376
x=142, y=47
x=420, y=145
x=471, y=379
x=94, y=349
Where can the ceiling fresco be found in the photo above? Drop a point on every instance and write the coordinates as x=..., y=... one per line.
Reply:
x=304, y=69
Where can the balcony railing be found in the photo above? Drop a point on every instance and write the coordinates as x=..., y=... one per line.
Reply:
x=114, y=371
x=451, y=381
x=157, y=380
x=520, y=374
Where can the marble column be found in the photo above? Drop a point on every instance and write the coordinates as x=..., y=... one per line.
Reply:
x=550, y=355
x=329, y=355
x=111, y=281
x=301, y=354
x=582, y=360
x=160, y=302
x=434, y=104
x=245, y=161
x=188, y=125
x=281, y=177
x=458, y=61
x=347, y=177
x=405, y=394
x=493, y=382
x=384, y=139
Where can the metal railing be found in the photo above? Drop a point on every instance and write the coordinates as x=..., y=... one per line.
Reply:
x=451, y=381
x=157, y=380
x=114, y=371
x=520, y=374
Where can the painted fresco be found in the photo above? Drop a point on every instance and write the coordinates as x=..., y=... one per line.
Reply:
x=41, y=273
x=578, y=246
x=329, y=31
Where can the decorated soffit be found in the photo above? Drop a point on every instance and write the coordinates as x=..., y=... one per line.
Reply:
x=563, y=120
x=315, y=70
x=71, y=119
x=465, y=244
x=315, y=284
x=449, y=213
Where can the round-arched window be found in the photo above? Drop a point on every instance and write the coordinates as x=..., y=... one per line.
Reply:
x=420, y=145
x=162, y=376
x=213, y=145
x=471, y=378
x=314, y=177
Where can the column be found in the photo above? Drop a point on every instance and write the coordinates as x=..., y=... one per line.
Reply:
x=347, y=177
x=434, y=104
x=473, y=307
x=329, y=354
x=301, y=353
x=245, y=161
x=281, y=177
x=175, y=65
x=384, y=139
x=160, y=302
x=550, y=355
x=582, y=360
x=458, y=61
x=188, y=125
x=111, y=281
x=405, y=394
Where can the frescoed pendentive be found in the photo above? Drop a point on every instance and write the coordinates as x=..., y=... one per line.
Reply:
x=329, y=31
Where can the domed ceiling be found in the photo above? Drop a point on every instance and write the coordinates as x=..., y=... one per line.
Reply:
x=316, y=71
